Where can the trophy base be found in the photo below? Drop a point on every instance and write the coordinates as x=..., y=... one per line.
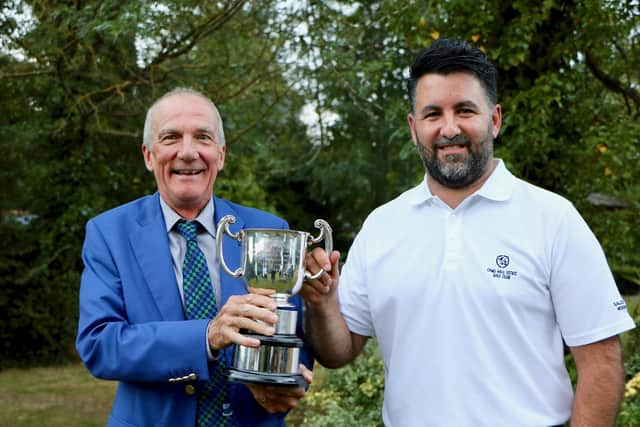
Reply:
x=263, y=378
x=274, y=362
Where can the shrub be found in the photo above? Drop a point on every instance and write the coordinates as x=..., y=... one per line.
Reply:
x=352, y=395
x=349, y=396
x=630, y=411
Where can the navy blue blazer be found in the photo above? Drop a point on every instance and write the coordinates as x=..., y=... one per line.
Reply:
x=132, y=326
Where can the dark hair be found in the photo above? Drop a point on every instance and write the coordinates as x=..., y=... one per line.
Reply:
x=446, y=56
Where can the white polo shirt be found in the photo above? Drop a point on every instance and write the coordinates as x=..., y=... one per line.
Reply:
x=470, y=306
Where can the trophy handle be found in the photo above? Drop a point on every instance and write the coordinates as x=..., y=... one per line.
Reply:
x=223, y=228
x=326, y=233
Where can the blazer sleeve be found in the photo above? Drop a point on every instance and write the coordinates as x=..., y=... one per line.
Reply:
x=122, y=335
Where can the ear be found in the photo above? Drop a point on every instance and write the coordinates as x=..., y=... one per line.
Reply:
x=146, y=153
x=223, y=152
x=496, y=119
x=412, y=128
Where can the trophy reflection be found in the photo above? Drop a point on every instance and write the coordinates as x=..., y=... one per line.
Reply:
x=272, y=259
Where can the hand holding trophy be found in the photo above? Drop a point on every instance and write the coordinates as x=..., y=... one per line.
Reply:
x=272, y=259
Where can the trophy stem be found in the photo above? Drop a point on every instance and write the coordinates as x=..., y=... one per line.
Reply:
x=287, y=315
x=281, y=299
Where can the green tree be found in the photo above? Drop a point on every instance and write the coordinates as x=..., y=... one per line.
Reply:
x=77, y=77
x=76, y=80
x=568, y=76
x=352, y=70
x=568, y=79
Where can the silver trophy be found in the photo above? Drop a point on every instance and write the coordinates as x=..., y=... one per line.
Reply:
x=272, y=259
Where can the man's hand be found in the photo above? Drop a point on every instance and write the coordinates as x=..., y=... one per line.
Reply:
x=277, y=398
x=253, y=312
x=325, y=328
x=321, y=290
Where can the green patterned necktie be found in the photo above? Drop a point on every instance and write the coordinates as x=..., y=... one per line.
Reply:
x=200, y=303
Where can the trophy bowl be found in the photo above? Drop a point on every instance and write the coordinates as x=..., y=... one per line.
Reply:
x=272, y=259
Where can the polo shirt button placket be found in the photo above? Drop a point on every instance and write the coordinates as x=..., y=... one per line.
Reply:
x=453, y=231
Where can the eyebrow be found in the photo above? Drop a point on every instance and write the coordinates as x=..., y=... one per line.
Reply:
x=171, y=131
x=206, y=129
x=467, y=103
x=164, y=132
x=436, y=107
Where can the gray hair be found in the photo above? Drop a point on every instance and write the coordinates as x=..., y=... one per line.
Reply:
x=146, y=135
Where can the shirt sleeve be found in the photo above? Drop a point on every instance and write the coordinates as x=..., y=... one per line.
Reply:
x=352, y=289
x=586, y=300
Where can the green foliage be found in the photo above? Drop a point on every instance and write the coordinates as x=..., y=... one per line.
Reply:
x=629, y=415
x=75, y=84
x=77, y=77
x=349, y=396
x=568, y=79
x=352, y=395
x=630, y=410
x=354, y=73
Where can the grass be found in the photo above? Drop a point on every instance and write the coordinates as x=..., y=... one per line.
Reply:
x=55, y=396
x=66, y=396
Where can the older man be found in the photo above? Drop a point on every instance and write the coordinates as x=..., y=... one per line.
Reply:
x=156, y=314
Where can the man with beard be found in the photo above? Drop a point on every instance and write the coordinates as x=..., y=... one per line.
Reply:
x=472, y=280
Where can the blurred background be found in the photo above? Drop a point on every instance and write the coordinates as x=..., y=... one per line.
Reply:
x=312, y=95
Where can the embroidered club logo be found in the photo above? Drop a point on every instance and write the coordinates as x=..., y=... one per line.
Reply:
x=502, y=261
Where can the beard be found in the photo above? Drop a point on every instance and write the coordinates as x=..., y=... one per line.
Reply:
x=457, y=170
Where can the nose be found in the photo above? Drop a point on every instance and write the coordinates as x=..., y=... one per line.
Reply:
x=450, y=128
x=188, y=149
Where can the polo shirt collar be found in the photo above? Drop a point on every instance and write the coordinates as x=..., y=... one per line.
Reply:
x=421, y=193
x=498, y=187
x=205, y=217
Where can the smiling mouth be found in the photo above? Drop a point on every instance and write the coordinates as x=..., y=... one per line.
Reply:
x=187, y=171
x=457, y=142
x=446, y=146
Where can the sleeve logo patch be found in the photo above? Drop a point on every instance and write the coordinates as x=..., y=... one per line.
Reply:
x=620, y=305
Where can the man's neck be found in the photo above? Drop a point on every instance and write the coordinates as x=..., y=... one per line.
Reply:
x=188, y=212
x=454, y=196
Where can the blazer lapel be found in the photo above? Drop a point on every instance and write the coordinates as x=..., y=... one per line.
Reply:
x=150, y=245
x=231, y=250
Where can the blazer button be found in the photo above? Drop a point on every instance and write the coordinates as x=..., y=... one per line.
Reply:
x=189, y=389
